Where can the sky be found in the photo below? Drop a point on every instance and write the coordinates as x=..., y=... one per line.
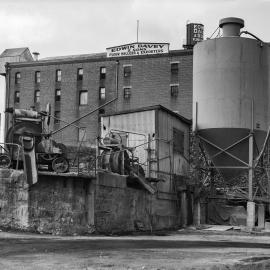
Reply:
x=68, y=27
x=65, y=27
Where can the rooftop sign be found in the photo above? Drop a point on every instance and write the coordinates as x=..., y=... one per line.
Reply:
x=140, y=48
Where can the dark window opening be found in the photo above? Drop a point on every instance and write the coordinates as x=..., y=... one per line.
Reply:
x=80, y=74
x=178, y=141
x=127, y=93
x=127, y=71
x=101, y=111
x=17, y=77
x=58, y=75
x=102, y=72
x=57, y=115
x=83, y=100
x=174, y=90
x=102, y=93
x=37, y=77
x=17, y=97
x=37, y=96
x=57, y=94
x=174, y=68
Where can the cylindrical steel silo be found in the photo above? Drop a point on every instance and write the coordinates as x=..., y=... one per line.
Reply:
x=230, y=96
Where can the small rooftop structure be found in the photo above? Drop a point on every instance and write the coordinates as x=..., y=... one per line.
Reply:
x=14, y=55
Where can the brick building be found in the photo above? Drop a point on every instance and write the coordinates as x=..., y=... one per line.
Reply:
x=76, y=85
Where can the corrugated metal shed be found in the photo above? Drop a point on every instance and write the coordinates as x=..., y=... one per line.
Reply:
x=160, y=137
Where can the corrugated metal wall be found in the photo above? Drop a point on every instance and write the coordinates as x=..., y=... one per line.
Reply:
x=170, y=161
x=154, y=130
x=138, y=125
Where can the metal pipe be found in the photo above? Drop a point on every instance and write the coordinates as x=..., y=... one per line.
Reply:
x=250, y=156
x=248, y=33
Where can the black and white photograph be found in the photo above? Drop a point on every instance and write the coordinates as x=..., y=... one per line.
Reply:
x=134, y=135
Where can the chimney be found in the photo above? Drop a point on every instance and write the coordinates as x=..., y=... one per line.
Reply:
x=36, y=54
x=231, y=26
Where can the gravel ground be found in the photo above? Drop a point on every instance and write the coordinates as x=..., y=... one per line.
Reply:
x=184, y=249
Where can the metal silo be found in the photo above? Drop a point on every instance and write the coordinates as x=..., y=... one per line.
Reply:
x=230, y=98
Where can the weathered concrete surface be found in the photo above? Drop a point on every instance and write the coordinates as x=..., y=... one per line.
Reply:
x=120, y=208
x=74, y=205
x=185, y=251
x=57, y=205
x=13, y=199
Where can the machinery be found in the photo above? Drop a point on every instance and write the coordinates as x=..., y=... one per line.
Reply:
x=117, y=158
x=30, y=129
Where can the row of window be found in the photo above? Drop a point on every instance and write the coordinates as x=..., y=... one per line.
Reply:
x=58, y=73
x=83, y=96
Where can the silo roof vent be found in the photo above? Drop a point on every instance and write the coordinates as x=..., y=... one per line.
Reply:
x=231, y=26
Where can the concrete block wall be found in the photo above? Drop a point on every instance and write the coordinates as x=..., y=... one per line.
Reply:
x=58, y=205
x=14, y=199
x=119, y=208
x=68, y=206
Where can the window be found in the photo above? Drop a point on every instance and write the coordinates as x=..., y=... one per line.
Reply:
x=17, y=97
x=174, y=90
x=58, y=75
x=37, y=96
x=37, y=77
x=57, y=94
x=80, y=74
x=57, y=116
x=174, y=68
x=17, y=77
x=82, y=134
x=178, y=141
x=127, y=71
x=102, y=72
x=102, y=93
x=127, y=93
x=83, y=98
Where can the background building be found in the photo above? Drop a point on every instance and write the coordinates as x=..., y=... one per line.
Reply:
x=139, y=74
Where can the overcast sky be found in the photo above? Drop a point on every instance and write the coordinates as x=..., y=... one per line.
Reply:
x=64, y=27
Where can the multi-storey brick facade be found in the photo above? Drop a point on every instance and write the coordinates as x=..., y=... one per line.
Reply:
x=75, y=86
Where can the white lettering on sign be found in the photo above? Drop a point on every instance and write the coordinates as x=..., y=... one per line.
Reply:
x=197, y=32
x=138, y=49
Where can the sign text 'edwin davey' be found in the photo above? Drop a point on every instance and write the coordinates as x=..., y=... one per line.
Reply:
x=138, y=49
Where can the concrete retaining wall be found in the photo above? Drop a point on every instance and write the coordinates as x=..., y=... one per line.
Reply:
x=14, y=199
x=73, y=205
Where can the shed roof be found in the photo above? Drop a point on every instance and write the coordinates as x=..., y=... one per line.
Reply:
x=149, y=108
x=13, y=52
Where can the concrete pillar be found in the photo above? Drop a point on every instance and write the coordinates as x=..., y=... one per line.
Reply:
x=90, y=203
x=184, y=208
x=197, y=213
x=250, y=215
x=261, y=216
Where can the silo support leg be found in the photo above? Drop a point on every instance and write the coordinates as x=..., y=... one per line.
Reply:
x=250, y=203
x=250, y=215
x=261, y=216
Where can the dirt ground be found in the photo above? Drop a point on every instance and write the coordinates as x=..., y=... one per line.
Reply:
x=175, y=250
